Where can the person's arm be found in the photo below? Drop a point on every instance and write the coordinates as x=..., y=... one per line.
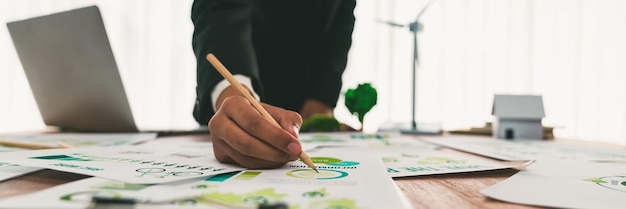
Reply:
x=330, y=59
x=222, y=85
x=239, y=133
x=221, y=27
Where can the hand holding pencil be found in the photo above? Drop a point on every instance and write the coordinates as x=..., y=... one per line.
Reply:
x=252, y=134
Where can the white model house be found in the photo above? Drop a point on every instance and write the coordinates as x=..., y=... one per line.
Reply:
x=517, y=117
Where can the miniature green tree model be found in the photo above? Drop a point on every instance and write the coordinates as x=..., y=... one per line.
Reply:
x=361, y=100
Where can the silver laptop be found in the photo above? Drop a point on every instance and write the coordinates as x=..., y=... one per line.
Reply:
x=72, y=72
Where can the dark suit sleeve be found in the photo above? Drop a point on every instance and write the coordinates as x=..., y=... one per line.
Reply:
x=221, y=27
x=330, y=60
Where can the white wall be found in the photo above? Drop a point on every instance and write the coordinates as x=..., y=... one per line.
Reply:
x=573, y=52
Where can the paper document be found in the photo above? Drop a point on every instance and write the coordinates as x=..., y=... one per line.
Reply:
x=78, y=139
x=73, y=195
x=565, y=184
x=522, y=150
x=357, y=139
x=419, y=161
x=131, y=164
x=346, y=180
x=411, y=162
x=10, y=170
x=180, y=144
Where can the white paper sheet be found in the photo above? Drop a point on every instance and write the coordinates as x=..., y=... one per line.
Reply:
x=132, y=164
x=78, y=139
x=524, y=150
x=419, y=161
x=182, y=144
x=350, y=139
x=408, y=162
x=73, y=195
x=10, y=170
x=77, y=194
x=565, y=184
x=346, y=180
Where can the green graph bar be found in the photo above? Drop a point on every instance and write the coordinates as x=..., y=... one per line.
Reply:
x=247, y=175
x=221, y=177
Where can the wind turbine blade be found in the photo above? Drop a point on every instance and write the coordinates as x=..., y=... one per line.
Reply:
x=424, y=9
x=391, y=23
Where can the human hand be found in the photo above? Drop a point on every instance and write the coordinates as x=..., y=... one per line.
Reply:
x=241, y=135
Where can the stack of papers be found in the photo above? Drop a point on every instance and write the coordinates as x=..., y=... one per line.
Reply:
x=345, y=180
x=565, y=184
x=130, y=164
x=351, y=167
x=11, y=169
x=525, y=150
x=563, y=175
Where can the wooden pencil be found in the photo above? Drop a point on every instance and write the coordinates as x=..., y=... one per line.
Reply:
x=28, y=145
x=64, y=144
x=243, y=91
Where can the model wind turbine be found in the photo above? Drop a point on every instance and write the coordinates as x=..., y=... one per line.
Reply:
x=414, y=28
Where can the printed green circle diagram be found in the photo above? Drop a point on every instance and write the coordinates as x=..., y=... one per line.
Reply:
x=612, y=182
x=322, y=175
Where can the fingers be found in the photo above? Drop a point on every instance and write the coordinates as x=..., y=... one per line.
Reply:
x=223, y=153
x=241, y=135
x=253, y=123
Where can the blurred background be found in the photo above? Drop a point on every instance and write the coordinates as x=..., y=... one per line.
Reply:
x=572, y=52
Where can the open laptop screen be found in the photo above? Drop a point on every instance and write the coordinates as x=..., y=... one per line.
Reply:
x=71, y=70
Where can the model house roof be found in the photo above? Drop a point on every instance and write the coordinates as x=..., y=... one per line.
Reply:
x=518, y=106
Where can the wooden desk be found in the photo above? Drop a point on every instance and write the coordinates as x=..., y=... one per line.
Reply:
x=436, y=191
